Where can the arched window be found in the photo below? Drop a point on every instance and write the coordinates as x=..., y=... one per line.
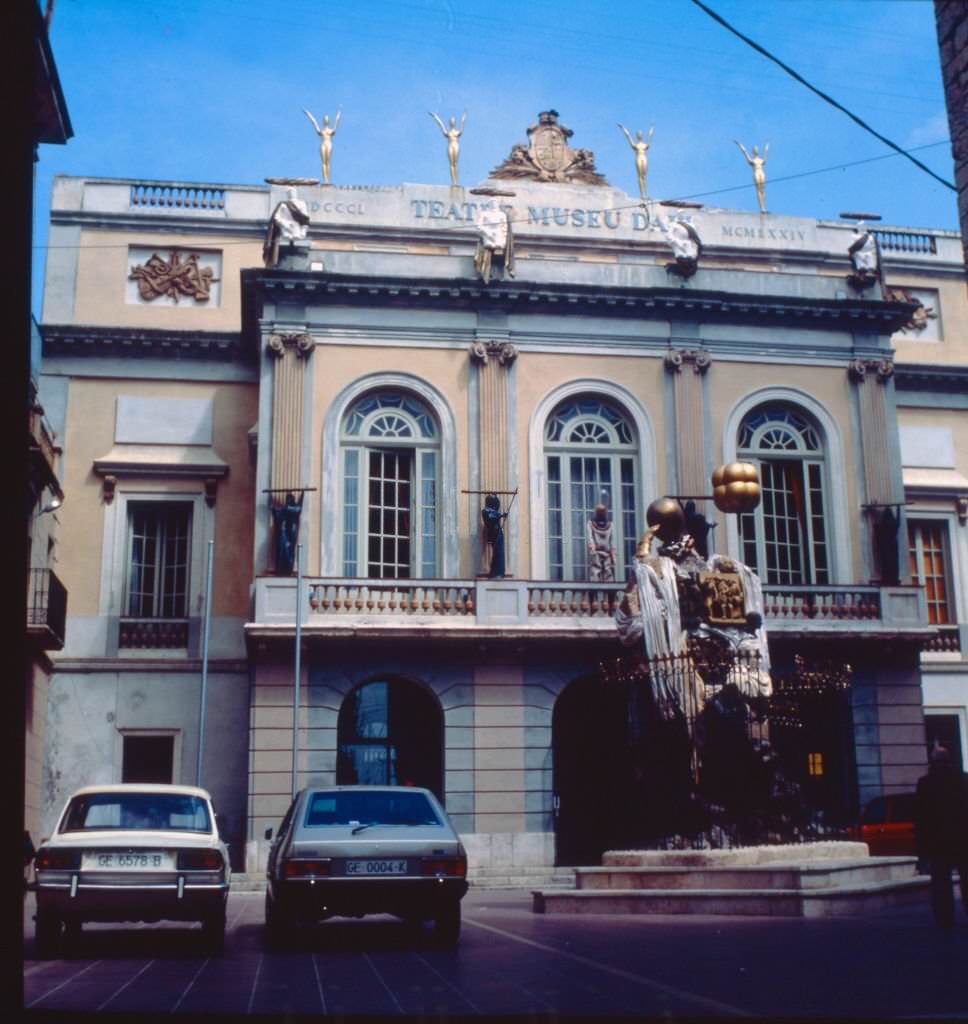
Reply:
x=785, y=538
x=590, y=456
x=390, y=457
x=390, y=732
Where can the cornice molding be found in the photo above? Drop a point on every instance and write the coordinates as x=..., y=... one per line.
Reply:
x=135, y=342
x=928, y=377
x=876, y=316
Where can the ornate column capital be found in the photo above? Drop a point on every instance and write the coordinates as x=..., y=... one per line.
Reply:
x=698, y=358
x=883, y=369
x=277, y=344
x=483, y=351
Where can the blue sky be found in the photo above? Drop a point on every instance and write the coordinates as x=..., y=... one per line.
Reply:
x=213, y=91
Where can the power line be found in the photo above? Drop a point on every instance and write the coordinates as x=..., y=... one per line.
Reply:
x=828, y=99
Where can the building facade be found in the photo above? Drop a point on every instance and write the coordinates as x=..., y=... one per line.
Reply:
x=327, y=417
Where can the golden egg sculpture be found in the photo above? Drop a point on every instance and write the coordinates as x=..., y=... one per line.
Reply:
x=666, y=515
x=736, y=487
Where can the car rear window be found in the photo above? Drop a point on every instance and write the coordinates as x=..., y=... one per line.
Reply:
x=177, y=812
x=378, y=808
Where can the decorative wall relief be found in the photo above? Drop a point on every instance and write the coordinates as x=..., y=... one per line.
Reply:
x=923, y=325
x=181, y=275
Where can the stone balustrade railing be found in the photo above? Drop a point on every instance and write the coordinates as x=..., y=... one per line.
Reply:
x=554, y=605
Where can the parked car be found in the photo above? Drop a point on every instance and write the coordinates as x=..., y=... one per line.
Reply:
x=132, y=852
x=348, y=851
x=887, y=825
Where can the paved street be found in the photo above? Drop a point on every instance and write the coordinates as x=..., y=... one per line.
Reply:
x=511, y=961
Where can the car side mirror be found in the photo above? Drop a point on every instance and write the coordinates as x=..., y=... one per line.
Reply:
x=269, y=832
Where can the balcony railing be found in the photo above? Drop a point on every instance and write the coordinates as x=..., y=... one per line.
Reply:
x=46, y=609
x=947, y=641
x=157, y=634
x=533, y=605
x=178, y=197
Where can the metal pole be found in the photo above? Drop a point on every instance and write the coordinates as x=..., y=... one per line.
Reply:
x=297, y=670
x=206, y=626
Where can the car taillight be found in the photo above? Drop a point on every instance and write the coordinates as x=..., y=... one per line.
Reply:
x=57, y=860
x=304, y=868
x=200, y=860
x=444, y=866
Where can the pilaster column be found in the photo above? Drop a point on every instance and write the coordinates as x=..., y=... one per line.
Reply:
x=687, y=367
x=870, y=377
x=493, y=359
x=291, y=352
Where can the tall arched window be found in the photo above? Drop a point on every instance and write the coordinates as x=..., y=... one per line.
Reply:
x=785, y=538
x=590, y=455
x=390, y=458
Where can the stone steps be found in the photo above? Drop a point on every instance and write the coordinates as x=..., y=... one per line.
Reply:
x=818, y=902
x=821, y=875
x=809, y=880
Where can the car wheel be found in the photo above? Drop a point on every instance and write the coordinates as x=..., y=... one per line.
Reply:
x=47, y=934
x=213, y=930
x=447, y=925
x=278, y=927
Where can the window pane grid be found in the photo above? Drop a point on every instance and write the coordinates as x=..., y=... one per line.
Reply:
x=785, y=539
x=159, y=567
x=928, y=565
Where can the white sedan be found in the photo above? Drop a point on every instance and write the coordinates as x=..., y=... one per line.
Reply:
x=132, y=852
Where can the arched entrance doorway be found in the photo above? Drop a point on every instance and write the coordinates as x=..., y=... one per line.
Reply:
x=390, y=732
x=595, y=789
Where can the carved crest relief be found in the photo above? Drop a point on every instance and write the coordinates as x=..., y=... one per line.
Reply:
x=921, y=315
x=174, y=278
x=548, y=157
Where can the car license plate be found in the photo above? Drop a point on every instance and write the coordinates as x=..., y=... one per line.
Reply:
x=376, y=867
x=140, y=860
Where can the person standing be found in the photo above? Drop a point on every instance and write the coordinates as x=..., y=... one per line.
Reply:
x=941, y=831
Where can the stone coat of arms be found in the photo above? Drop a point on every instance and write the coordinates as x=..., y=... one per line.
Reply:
x=548, y=157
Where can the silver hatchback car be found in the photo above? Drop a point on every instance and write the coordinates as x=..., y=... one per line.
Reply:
x=347, y=851
x=132, y=852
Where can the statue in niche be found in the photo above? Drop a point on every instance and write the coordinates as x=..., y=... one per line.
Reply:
x=452, y=134
x=865, y=258
x=600, y=534
x=640, y=147
x=289, y=223
x=757, y=163
x=496, y=239
x=686, y=246
x=493, y=519
x=885, y=544
x=325, y=140
x=286, y=518
x=698, y=527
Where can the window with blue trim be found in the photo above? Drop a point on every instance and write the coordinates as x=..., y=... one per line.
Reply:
x=390, y=446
